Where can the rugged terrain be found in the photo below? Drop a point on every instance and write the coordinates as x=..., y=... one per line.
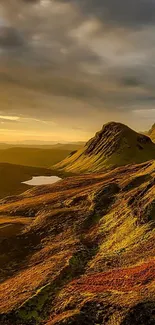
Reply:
x=115, y=145
x=81, y=251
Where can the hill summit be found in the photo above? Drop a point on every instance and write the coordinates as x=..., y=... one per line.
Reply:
x=115, y=145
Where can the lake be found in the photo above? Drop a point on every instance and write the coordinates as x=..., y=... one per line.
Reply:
x=42, y=180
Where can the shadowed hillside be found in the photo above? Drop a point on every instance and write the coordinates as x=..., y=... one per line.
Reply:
x=115, y=145
x=12, y=176
x=81, y=251
x=37, y=157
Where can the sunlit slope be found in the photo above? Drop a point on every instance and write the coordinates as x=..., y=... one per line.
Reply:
x=86, y=254
x=151, y=133
x=115, y=145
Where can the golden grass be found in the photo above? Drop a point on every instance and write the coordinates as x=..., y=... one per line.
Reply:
x=115, y=145
x=77, y=250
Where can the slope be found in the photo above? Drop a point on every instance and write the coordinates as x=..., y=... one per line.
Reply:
x=86, y=254
x=151, y=133
x=115, y=145
x=12, y=176
x=37, y=157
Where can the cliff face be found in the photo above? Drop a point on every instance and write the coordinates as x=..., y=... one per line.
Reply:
x=80, y=251
x=115, y=145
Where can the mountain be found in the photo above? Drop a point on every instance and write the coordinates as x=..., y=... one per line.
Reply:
x=81, y=251
x=115, y=145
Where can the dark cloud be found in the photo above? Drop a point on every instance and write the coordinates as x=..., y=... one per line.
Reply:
x=125, y=12
x=77, y=60
x=131, y=13
x=30, y=1
x=131, y=82
x=10, y=37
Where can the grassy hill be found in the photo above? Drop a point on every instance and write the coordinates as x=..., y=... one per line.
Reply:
x=115, y=145
x=81, y=251
x=11, y=177
x=37, y=157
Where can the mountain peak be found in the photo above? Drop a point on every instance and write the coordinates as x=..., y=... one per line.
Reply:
x=114, y=145
x=113, y=125
x=114, y=136
x=107, y=140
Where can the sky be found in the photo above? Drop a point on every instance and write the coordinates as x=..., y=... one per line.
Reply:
x=69, y=66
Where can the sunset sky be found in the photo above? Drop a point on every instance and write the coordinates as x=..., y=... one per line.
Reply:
x=69, y=66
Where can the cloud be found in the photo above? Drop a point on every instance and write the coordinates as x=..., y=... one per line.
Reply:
x=9, y=118
x=77, y=62
x=9, y=37
x=122, y=12
x=131, y=82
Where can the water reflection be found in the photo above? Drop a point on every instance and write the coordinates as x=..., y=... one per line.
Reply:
x=42, y=180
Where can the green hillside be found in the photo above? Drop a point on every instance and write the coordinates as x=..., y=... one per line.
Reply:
x=115, y=145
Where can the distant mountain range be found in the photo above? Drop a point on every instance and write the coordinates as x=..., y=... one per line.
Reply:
x=115, y=145
x=41, y=144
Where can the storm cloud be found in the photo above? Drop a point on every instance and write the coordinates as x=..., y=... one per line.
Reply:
x=9, y=37
x=131, y=13
x=77, y=62
x=122, y=12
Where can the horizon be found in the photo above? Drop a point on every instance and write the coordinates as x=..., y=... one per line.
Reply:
x=31, y=142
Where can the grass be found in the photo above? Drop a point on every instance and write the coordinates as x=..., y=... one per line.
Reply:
x=115, y=145
x=12, y=176
x=20, y=164
x=37, y=157
x=151, y=133
x=60, y=270
x=10, y=226
x=121, y=280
